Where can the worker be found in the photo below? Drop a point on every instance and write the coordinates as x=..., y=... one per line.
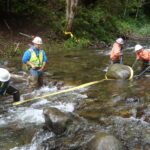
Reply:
x=142, y=55
x=35, y=60
x=5, y=88
x=116, y=52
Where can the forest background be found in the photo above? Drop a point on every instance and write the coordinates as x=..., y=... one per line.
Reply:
x=89, y=21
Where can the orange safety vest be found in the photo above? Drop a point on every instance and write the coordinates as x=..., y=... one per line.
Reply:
x=143, y=55
x=115, y=52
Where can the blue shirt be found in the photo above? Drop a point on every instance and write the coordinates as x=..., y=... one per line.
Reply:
x=27, y=55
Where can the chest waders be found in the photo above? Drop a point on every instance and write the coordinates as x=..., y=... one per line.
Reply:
x=6, y=89
x=35, y=81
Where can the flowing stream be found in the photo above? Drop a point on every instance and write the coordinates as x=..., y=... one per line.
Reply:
x=119, y=108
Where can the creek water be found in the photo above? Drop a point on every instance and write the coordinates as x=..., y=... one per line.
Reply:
x=119, y=108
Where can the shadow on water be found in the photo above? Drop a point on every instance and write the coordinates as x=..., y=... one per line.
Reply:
x=119, y=108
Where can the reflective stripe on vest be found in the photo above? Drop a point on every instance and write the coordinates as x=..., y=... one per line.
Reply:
x=3, y=87
x=2, y=84
x=35, y=59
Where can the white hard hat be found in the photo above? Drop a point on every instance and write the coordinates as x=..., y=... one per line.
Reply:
x=37, y=40
x=138, y=47
x=4, y=75
x=120, y=41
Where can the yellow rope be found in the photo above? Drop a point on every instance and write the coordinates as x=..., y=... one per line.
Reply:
x=132, y=73
x=60, y=92
x=70, y=89
x=69, y=33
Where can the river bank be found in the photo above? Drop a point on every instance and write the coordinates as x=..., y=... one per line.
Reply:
x=12, y=43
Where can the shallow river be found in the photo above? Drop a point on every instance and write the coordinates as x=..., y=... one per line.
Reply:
x=118, y=108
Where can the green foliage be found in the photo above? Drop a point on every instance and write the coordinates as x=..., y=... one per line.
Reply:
x=94, y=19
x=76, y=44
x=107, y=20
x=143, y=31
x=11, y=52
x=123, y=27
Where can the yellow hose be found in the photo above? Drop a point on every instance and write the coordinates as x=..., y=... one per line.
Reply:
x=70, y=89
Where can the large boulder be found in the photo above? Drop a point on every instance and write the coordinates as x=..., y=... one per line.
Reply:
x=119, y=71
x=104, y=141
x=55, y=120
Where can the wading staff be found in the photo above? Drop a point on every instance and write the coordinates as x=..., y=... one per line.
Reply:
x=121, y=56
x=121, y=60
x=134, y=63
x=137, y=76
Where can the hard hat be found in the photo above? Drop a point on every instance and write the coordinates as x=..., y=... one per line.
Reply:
x=37, y=40
x=4, y=75
x=138, y=47
x=120, y=41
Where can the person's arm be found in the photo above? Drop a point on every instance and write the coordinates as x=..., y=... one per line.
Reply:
x=30, y=64
x=145, y=55
x=44, y=62
x=43, y=65
x=137, y=56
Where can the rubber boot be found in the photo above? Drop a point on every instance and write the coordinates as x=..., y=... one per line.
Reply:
x=16, y=96
x=40, y=81
x=13, y=91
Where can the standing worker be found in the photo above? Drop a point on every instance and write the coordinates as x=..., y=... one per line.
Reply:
x=35, y=60
x=116, y=52
x=5, y=88
x=143, y=55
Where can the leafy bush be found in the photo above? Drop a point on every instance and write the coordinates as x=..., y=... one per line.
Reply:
x=76, y=44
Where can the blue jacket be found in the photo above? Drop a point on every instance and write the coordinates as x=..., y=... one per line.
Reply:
x=27, y=55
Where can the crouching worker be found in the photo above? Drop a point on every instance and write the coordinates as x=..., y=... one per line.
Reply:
x=5, y=88
x=142, y=55
x=35, y=60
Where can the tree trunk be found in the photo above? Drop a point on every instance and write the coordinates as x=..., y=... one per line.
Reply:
x=70, y=12
x=125, y=10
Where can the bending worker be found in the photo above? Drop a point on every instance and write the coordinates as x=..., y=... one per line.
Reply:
x=116, y=52
x=143, y=55
x=35, y=60
x=5, y=88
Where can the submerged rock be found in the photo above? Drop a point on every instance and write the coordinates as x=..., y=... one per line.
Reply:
x=104, y=142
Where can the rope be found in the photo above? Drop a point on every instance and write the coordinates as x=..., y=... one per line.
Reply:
x=132, y=73
x=70, y=89
x=71, y=35
x=59, y=92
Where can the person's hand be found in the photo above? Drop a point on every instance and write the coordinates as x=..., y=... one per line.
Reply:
x=33, y=67
x=41, y=69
